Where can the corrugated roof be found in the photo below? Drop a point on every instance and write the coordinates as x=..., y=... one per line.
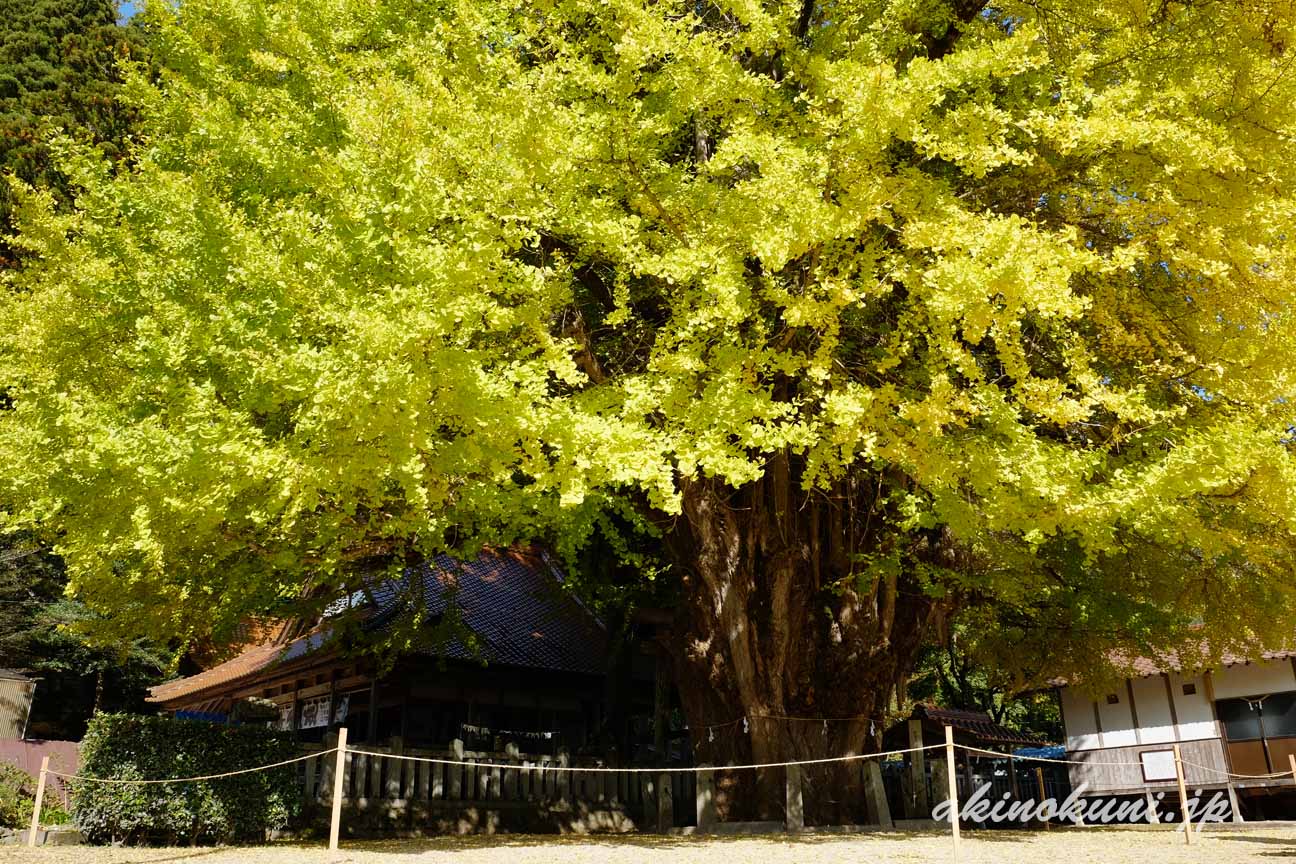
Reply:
x=511, y=600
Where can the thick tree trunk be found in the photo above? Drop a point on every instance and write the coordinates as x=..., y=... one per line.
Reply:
x=782, y=618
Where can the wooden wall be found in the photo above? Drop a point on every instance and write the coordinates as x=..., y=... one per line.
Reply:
x=1203, y=760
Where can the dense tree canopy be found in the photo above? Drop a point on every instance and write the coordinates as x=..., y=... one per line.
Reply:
x=869, y=311
x=59, y=71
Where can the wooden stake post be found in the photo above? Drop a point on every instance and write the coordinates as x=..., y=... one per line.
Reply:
x=1183, y=796
x=1039, y=780
x=339, y=773
x=40, y=799
x=953, y=791
x=1291, y=760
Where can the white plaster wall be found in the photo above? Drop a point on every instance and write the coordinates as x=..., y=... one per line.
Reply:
x=1254, y=679
x=1078, y=715
x=1117, y=720
x=1196, y=717
x=1152, y=702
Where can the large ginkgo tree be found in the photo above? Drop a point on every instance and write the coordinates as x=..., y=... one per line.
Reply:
x=856, y=314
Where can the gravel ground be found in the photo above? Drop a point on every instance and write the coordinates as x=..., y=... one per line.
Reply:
x=1074, y=846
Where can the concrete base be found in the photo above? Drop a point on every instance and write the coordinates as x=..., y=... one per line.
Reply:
x=59, y=835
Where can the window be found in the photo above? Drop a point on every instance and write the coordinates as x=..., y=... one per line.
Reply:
x=1279, y=715
x=1113, y=699
x=1241, y=719
x=1190, y=689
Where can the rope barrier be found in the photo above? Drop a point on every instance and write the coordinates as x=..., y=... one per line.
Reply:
x=655, y=770
x=341, y=752
x=1273, y=776
x=110, y=780
x=661, y=770
x=1039, y=758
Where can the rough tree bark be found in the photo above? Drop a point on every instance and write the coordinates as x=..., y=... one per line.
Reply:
x=779, y=620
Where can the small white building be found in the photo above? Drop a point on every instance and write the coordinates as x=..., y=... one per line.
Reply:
x=1238, y=719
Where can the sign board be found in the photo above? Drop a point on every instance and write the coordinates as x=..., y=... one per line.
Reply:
x=1158, y=765
x=314, y=713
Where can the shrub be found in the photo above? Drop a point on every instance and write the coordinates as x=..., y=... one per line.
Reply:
x=18, y=796
x=17, y=789
x=240, y=808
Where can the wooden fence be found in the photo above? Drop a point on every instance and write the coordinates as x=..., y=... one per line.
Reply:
x=493, y=791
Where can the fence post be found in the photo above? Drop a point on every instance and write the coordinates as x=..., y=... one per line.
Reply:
x=795, y=804
x=40, y=798
x=455, y=786
x=1183, y=797
x=917, y=802
x=1291, y=760
x=665, y=803
x=705, y=797
x=339, y=774
x=952, y=773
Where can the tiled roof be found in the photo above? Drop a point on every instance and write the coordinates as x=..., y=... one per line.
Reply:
x=511, y=600
x=1171, y=661
x=1175, y=661
x=978, y=724
x=248, y=663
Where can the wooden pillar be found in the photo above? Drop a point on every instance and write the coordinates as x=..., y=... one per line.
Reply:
x=661, y=708
x=705, y=797
x=795, y=805
x=918, y=770
x=371, y=734
x=1233, y=803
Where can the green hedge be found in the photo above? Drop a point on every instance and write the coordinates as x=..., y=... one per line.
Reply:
x=232, y=809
